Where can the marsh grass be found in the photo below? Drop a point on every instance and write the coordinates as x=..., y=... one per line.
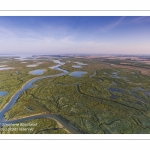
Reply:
x=86, y=102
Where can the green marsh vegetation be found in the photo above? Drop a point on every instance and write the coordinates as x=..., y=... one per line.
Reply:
x=105, y=100
x=13, y=79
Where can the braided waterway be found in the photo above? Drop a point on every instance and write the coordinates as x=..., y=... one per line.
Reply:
x=27, y=85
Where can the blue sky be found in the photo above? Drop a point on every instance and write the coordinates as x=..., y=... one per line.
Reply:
x=75, y=35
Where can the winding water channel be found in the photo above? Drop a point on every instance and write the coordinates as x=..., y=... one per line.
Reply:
x=27, y=85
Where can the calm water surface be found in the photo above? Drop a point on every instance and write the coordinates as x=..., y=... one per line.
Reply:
x=79, y=63
x=6, y=68
x=37, y=72
x=2, y=93
x=34, y=65
x=77, y=73
x=74, y=66
x=115, y=75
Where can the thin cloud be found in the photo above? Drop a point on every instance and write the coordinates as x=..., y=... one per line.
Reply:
x=112, y=25
x=19, y=33
x=5, y=33
x=142, y=19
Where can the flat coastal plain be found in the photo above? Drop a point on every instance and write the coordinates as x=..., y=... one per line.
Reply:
x=75, y=94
